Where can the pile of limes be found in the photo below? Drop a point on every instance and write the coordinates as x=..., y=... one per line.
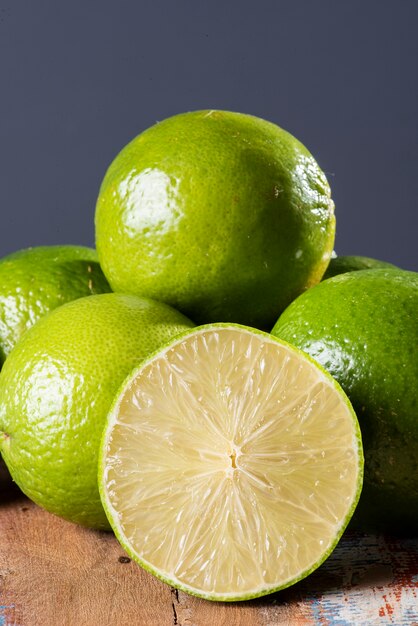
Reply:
x=227, y=457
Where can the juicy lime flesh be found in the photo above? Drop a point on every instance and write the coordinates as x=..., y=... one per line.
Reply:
x=231, y=464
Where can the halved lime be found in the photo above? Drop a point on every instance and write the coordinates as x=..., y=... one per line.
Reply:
x=230, y=464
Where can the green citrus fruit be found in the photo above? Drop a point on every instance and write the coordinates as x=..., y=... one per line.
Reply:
x=343, y=264
x=362, y=327
x=56, y=388
x=230, y=463
x=225, y=216
x=36, y=280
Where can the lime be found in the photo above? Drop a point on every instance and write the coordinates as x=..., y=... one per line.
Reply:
x=222, y=215
x=56, y=388
x=343, y=264
x=230, y=463
x=36, y=280
x=362, y=327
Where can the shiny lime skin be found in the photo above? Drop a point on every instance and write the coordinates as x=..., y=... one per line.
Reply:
x=56, y=388
x=341, y=264
x=36, y=280
x=225, y=216
x=363, y=328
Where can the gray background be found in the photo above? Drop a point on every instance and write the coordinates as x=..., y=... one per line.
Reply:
x=79, y=79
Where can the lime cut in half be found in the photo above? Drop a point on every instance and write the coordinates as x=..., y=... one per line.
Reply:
x=230, y=464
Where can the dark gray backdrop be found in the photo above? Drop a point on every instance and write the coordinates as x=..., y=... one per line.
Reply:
x=79, y=79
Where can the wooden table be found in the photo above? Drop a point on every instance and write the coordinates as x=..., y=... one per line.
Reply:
x=53, y=573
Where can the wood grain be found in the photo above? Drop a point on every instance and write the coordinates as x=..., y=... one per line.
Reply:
x=53, y=573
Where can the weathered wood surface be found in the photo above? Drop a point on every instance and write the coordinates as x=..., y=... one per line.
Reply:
x=53, y=573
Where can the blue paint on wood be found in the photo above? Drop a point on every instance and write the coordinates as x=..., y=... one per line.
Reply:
x=2, y=615
x=5, y=608
x=367, y=580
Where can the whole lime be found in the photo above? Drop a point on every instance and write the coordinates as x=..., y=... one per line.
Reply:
x=342, y=264
x=56, y=388
x=223, y=215
x=36, y=280
x=362, y=327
